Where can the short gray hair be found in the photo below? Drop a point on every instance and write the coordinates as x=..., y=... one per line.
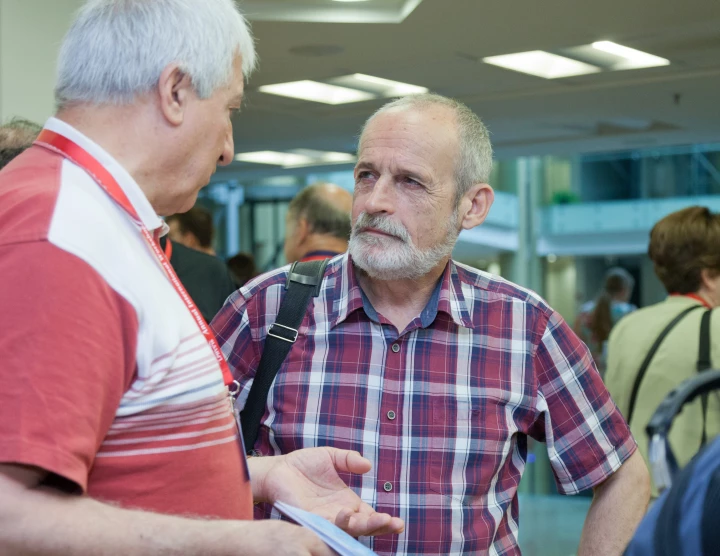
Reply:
x=117, y=49
x=475, y=160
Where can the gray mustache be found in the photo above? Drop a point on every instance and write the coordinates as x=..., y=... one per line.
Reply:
x=383, y=224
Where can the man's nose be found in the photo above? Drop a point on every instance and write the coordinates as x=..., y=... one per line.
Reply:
x=228, y=152
x=382, y=197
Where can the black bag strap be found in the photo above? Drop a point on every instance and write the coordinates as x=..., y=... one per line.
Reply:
x=303, y=282
x=649, y=357
x=703, y=364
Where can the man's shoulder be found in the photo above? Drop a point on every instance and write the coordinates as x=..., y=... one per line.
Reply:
x=278, y=278
x=486, y=286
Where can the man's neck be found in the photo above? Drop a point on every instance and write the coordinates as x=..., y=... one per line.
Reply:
x=112, y=128
x=400, y=301
x=317, y=242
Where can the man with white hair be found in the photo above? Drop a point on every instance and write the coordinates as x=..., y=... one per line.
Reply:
x=117, y=434
x=436, y=372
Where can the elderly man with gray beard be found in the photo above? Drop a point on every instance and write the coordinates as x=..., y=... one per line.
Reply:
x=436, y=372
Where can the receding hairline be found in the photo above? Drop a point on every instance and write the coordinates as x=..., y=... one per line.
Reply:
x=421, y=108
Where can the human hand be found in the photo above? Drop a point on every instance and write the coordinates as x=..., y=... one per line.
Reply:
x=280, y=538
x=309, y=480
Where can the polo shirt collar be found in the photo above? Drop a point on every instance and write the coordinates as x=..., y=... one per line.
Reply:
x=135, y=195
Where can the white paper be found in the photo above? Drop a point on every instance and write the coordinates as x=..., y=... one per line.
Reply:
x=333, y=536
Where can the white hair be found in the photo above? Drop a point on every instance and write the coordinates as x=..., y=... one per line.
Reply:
x=117, y=49
x=475, y=160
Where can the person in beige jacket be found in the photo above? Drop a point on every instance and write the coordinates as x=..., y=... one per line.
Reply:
x=685, y=249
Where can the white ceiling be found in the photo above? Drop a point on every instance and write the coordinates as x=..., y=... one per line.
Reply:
x=439, y=46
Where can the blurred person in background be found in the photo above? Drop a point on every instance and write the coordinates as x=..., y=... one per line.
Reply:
x=105, y=362
x=205, y=277
x=242, y=268
x=188, y=245
x=685, y=250
x=193, y=229
x=317, y=225
x=597, y=318
x=16, y=136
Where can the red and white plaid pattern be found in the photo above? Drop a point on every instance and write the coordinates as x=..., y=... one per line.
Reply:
x=442, y=410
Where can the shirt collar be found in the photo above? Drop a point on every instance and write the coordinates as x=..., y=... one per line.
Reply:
x=135, y=195
x=318, y=255
x=447, y=297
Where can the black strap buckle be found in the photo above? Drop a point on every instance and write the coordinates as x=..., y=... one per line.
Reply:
x=275, y=332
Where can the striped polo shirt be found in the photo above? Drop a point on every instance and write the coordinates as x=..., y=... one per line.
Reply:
x=106, y=381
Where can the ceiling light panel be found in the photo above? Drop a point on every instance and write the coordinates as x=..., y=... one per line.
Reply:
x=629, y=58
x=318, y=158
x=323, y=11
x=273, y=157
x=317, y=92
x=296, y=158
x=542, y=64
x=378, y=85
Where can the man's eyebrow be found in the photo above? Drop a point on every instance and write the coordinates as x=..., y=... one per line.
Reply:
x=365, y=164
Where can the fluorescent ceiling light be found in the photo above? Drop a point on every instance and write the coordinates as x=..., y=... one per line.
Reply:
x=380, y=86
x=317, y=92
x=296, y=158
x=630, y=58
x=542, y=64
x=272, y=157
x=319, y=158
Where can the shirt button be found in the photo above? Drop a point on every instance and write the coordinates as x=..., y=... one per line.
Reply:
x=387, y=487
x=391, y=415
x=395, y=348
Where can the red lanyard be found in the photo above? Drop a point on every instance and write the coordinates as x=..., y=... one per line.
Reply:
x=75, y=153
x=168, y=249
x=693, y=296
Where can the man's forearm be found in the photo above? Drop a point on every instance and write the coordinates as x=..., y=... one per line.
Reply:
x=49, y=523
x=37, y=520
x=617, y=508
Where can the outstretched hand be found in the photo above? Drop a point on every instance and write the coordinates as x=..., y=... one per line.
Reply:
x=309, y=480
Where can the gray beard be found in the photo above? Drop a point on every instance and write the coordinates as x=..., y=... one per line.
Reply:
x=397, y=258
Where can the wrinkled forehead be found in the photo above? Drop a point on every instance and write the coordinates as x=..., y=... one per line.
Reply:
x=427, y=133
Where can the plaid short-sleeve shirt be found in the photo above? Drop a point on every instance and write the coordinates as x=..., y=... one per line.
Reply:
x=442, y=409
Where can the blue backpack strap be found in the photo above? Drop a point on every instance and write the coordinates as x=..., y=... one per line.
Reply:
x=666, y=540
x=684, y=521
x=709, y=528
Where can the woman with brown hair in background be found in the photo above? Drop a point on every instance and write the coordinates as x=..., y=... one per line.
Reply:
x=597, y=317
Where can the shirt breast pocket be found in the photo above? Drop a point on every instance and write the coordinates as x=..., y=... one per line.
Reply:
x=469, y=442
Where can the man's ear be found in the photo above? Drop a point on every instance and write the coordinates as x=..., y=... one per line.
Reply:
x=174, y=91
x=302, y=230
x=475, y=205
